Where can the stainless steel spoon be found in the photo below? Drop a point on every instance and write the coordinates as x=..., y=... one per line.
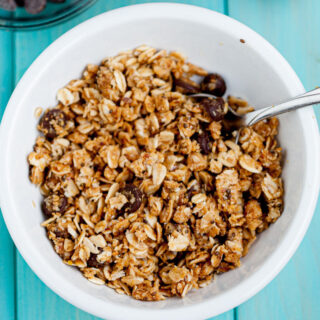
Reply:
x=239, y=121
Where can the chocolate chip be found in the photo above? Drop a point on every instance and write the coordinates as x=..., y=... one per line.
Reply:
x=35, y=6
x=54, y=203
x=9, y=5
x=215, y=107
x=134, y=196
x=50, y=120
x=185, y=87
x=204, y=142
x=214, y=84
x=92, y=262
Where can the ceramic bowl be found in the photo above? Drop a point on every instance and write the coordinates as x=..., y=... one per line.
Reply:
x=253, y=70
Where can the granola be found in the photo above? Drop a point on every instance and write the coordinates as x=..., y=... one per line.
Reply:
x=145, y=189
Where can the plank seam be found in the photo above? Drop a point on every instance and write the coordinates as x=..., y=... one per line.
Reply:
x=13, y=84
x=226, y=7
x=235, y=313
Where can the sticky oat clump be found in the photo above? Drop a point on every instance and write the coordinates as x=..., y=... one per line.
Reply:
x=145, y=189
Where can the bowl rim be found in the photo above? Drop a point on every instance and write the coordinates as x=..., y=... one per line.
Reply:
x=271, y=267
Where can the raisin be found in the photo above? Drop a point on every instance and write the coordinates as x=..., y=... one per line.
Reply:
x=92, y=262
x=204, y=142
x=134, y=196
x=214, y=84
x=185, y=87
x=50, y=121
x=61, y=233
x=215, y=107
x=54, y=203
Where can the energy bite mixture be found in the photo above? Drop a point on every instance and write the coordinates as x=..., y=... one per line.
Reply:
x=144, y=187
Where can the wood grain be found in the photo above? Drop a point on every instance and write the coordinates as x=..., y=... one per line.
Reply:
x=7, y=250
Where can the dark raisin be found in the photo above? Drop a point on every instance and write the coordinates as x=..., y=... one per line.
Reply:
x=204, y=142
x=51, y=120
x=35, y=6
x=193, y=190
x=92, y=262
x=263, y=205
x=8, y=5
x=54, y=203
x=185, y=87
x=61, y=233
x=222, y=239
x=190, y=193
x=134, y=196
x=215, y=107
x=246, y=196
x=214, y=84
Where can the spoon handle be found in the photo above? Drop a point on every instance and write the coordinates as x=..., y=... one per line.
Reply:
x=304, y=100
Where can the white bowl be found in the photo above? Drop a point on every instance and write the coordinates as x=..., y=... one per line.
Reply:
x=254, y=70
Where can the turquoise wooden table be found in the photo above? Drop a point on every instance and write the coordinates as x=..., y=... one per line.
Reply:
x=293, y=27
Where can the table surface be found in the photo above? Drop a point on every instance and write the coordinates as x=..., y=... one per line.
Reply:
x=293, y=27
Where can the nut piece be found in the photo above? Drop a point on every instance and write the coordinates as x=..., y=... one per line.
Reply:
x=113, y=155
x=159, y=172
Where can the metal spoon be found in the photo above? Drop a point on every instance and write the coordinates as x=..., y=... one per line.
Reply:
x=240, y=121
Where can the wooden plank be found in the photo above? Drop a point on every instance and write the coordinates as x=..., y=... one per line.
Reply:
x=35, y=300
x=7, y=249
x=293, y=28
